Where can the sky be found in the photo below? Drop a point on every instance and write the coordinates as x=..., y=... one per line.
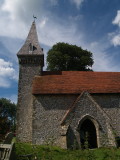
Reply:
x=91, y=24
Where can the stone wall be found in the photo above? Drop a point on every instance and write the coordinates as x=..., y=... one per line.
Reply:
x=49, y=110
x=86, y=108
x=47, y=115
x=24, y=109
x=111, y=105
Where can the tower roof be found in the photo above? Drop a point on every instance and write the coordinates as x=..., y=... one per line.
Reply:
x=31, y=45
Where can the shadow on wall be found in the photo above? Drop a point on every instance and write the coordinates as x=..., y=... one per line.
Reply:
x=107, y=101
x=71, y=139
x=55, y=102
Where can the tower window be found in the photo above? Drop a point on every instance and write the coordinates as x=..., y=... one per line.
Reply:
x=34, y=48
x=31, y=47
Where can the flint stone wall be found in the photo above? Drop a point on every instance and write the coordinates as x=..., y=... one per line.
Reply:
x=111, y=105
x=87, y=108
x=47, y=115
x=48, y=111
x=25, y=98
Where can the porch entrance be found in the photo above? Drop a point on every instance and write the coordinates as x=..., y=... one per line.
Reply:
x=88, y=137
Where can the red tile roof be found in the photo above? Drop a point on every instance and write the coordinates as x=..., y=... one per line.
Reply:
x=75, y=82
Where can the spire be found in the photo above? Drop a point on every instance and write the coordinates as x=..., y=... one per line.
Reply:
x=31, y=45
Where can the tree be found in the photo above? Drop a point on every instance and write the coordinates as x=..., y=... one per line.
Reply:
x=66, y=57
x=7, y=116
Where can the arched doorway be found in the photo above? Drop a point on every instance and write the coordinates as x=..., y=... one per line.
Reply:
x=88, y=137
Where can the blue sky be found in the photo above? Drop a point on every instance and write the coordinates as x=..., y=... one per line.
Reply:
x=92, y=24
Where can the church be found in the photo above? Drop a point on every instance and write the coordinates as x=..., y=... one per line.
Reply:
x=65, y=108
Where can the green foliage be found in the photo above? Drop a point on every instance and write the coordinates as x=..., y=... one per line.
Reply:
x=86, y=144
x=89, y=154
x=66, y=57
x=50, y=141
x=107, y=154
x=56, y=153
x=7, y=116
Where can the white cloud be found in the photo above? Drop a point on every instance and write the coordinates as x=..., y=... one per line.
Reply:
x=117, y=19
x=53, y=32
x=115, y=36
x=12, y=97
x=16, y=17
x=51, y=29
x=5, y=64
x=6, y=68
x=116, y=40
x=102, y=61
x=4, y=83
x=7, y=72
x=77, y=2
x=43, y=22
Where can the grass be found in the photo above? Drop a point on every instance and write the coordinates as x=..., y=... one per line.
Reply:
x=55, y=153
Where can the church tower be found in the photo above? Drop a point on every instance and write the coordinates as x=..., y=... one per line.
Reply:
x=31, y=62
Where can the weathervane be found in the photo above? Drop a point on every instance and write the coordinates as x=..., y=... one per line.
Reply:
x=34, y=17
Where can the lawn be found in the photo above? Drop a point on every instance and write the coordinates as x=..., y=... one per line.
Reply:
x=55, y=153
